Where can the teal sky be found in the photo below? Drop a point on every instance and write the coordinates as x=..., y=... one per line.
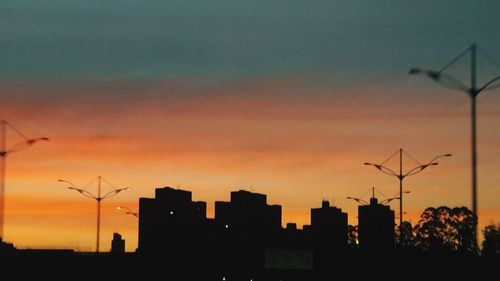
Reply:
x=284, y=97
x=236, y=39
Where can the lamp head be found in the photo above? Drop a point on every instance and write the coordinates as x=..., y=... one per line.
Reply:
x=415, y=71
x=434, y=75
x=32, y=141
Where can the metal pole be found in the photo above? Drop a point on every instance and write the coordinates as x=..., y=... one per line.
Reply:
x=400, y=188
x=473, y=93
x=3, y=156
x=474, y=155
x=98, y=213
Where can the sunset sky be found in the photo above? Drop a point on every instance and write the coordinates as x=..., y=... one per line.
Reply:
x=286, y=98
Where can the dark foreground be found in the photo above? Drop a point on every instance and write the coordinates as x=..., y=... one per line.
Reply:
x=247, y=266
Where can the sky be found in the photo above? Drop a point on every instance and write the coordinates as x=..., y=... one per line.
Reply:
x=286, y=98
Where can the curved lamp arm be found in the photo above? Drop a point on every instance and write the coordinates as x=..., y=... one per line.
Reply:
x=441, y=78
x=113, y=193
x=419, y=169
x=22, y=145
x=383, y=169
x=84, y=193
x=359, y=200
x=128, y=211
x=488, y=84
x=439, y=156
x=68, y=182
x=389, y=200
x=396, y=197
x=80, y=190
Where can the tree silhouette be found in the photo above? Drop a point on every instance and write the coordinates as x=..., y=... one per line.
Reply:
x=491, y=243
x=447, y=230
x=352, y=236
x=405, y=237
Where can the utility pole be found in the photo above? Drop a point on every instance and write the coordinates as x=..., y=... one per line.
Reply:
x=472, y=91
x=3, y=155
x=98, y=199
x=4, y=152
x=473, y=94
x=402, y=175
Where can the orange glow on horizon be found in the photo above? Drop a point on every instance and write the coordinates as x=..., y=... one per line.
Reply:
x=297, y=140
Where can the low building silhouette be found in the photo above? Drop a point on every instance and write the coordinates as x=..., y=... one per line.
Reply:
x=117, y=244
x=6, y=247
x=171, y=220
x=294, y=238
x=247, y=221
x=328, y=228
x=247, y=226
x=375, y=226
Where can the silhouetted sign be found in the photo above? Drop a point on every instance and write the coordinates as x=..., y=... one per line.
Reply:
x=289, y=259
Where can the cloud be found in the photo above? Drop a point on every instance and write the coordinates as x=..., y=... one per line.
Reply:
x=233, y=39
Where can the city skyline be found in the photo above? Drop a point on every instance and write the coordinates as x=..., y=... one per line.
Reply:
x=173, y=95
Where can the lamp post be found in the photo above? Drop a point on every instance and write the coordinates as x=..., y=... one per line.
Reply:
x=98, y=198
x=363, y=202
x=4, y=152
x=402, y=175
x=396, y=197
x=359, y=200
x=473, y=91
x=128, y=211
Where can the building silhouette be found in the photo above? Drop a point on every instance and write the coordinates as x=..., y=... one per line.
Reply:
x=6, y=247
x=375, y=226
x=245, y=241
x=328, y=228
x=170, y=221
x=247, y=221
x=247, y=232
x=294, y=238
x=117, y=244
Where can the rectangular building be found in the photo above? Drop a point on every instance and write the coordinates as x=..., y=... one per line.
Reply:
x=328, y=228
x=171, y=220
x=375, y=226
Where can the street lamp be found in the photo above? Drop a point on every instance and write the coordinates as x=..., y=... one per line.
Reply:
x=128, y=211
x=402, y=175
x=4, y=152
x=364, y=202
x=359, y=200
x=473, y=91
x=396, y=197
x=98, y=198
